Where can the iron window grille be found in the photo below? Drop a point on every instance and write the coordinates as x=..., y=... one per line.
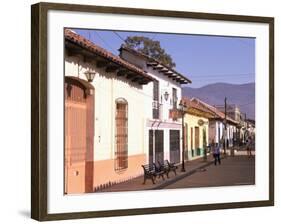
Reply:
x=121, y=135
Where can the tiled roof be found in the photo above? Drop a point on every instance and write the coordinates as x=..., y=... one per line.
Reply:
x=196, y=105
x=88, y=45
x=216, y=111
x=158, y=65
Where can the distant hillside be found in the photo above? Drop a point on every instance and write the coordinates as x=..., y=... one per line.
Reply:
x=243, y=95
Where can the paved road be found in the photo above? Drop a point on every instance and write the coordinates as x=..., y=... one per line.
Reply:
x=136, y=184
x=238, y=170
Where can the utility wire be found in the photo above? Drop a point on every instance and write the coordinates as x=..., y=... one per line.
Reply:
x=222, y=79
x=121, y=38
x=108, y=45
x=118, y=35
x=231, y=104
x=213, y=81
x=241, y=105
x=194, y=77
x=221, y=75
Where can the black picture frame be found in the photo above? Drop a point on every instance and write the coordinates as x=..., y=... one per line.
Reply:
x=39, y=106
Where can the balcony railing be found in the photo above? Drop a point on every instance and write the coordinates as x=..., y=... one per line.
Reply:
x=174, y=114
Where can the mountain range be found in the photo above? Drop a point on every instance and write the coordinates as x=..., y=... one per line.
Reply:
x=243, y=95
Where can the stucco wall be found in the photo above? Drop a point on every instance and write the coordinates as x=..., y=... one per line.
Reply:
x=165, y=85
x=216, y=130
x=108, y=88
x=192, y=122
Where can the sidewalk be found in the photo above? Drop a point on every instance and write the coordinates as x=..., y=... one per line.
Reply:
x=136, y=184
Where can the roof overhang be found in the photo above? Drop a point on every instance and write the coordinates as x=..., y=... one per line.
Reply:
x=169, y=72
x=156, y=65
x=77, y=45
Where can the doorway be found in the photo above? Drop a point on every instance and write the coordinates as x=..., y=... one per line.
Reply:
x=156, y=146
x=174, y=146
x=79, y=133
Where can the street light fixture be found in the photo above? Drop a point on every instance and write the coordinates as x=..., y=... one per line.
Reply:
x=166, y=95
x=90, y=74
x=183, y=108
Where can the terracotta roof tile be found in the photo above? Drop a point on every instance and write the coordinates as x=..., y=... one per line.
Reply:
x=216, y=111
x=196, y=105
x=88, y=45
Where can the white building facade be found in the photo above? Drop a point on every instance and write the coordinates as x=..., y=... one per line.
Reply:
x=119, y=115
x=105, y=141
x=217, y=129
x=163, y=127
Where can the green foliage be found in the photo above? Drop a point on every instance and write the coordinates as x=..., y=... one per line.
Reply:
x=150, y=47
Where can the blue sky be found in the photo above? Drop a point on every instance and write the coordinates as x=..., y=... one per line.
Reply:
x=203, y=59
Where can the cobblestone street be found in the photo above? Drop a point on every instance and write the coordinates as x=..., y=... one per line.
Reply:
x=238, y=170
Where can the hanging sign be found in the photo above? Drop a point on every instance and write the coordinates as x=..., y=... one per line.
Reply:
x=200, y=122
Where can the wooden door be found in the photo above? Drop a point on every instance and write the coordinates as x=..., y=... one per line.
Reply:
x=151, y=147
x=79, y=134
x=191, y=138
x=175, y=146
x=197, y=137
x=156, y=146
x=159, y=146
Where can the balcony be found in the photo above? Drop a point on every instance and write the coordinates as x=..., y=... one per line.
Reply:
x=174, y=114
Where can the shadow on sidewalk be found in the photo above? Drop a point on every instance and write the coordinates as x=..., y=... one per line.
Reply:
x=136, y=184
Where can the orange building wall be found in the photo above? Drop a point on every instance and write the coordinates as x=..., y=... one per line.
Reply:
x=104, y=171
x=75, y=178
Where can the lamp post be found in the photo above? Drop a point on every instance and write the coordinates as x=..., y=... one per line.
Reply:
x=183, y=108
x=225, y=128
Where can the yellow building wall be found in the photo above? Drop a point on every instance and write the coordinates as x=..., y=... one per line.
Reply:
x=192, y=121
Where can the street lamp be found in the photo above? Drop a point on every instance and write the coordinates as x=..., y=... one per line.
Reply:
x=166, y=95
x=183, y=108
x=90, y=74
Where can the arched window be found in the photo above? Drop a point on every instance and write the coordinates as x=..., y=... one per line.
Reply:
x=121, y=134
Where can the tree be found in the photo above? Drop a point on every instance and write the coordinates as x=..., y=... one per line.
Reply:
x=150, y=47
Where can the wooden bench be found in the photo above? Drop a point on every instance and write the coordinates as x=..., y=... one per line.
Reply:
x=151, y=171
x=167, y=167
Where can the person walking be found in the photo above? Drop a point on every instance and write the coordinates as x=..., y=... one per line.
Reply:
x=249, y=146
x=216, y=154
